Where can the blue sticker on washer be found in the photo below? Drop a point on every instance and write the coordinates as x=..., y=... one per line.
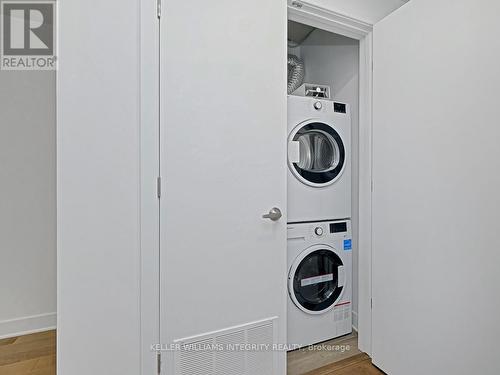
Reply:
x=347, y=244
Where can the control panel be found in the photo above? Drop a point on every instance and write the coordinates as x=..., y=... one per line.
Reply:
x=318, y=230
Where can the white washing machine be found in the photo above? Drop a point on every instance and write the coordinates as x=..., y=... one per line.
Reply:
x=319, y=159
x=319, y=282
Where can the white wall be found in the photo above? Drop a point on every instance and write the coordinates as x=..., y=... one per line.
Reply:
x=99, y=187
x=436, y=202
x=28, y=202
x=334, y=60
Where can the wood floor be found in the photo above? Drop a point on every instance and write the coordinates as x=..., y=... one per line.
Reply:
x=36, y=355
x=307, y=359
x=335, y=357
x=359, y=364
x=29, y=355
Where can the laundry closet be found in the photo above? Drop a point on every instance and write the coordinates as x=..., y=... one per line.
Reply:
x=183, y=187
x=323, y=193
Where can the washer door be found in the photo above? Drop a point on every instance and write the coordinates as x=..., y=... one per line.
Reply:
x=316, y=280
x=319, y=154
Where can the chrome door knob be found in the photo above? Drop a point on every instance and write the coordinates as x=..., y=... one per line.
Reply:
x=274, y=214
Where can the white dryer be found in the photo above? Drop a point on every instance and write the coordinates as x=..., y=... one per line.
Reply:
x=319, y=282
x=319, y=159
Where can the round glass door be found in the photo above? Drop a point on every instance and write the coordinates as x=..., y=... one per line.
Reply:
x=316, y=281
x=321, y=154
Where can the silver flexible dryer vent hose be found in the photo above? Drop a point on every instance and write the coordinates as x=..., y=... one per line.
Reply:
x=296, y=72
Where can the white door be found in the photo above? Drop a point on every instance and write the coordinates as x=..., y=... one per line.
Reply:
x=223, y=165
x=436, y=202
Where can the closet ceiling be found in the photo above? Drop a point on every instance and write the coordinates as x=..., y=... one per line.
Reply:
x=369, y=11
x=298, y=32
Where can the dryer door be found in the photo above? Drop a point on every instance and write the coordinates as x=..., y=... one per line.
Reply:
x=316, y=280
x=319, y=156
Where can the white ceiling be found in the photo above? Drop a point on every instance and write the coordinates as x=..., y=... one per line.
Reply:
x=369, y=11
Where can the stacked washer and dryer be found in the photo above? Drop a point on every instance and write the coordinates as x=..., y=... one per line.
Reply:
x=319, y=211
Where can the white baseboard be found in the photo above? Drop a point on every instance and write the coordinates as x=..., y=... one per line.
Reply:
x=27, y=325
x=355, y=320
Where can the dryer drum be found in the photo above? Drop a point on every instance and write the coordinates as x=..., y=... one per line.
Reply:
x=321, y=154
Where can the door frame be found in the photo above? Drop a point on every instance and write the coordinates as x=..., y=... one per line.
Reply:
x=321, y=18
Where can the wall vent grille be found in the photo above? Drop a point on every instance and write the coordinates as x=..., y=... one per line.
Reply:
x=241, y=350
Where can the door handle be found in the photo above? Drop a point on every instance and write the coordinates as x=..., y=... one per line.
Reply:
x=274, y=214
x=294, y=151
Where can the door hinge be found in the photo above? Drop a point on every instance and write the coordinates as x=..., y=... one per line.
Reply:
x=158, y=187
x=158, y=362
x=371, y=303
x=158, y=8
